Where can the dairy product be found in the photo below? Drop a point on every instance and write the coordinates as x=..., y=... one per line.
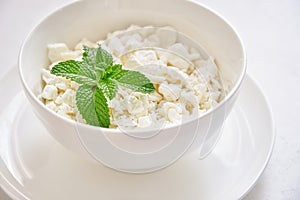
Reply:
x=187, y=85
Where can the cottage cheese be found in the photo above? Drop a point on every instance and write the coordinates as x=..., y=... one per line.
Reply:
x=187, y=85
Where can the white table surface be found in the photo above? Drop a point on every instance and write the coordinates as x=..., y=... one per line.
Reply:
x=270, y=30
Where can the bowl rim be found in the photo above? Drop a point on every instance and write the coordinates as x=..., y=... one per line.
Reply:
x=230, y=95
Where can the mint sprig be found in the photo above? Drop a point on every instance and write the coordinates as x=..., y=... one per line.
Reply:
x=99, y=79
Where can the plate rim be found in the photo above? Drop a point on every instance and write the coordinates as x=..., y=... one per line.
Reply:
x=272, y=131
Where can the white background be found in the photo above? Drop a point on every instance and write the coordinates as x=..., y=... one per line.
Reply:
x=270, y=30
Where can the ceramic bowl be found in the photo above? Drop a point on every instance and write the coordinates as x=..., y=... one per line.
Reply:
x=134, y=151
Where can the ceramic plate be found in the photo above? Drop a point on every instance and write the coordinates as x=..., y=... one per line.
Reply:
x=34, y=166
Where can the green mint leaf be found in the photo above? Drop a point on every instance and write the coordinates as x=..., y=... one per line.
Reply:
x=86, y=70
x=109, y=88
x=75, y=71
x=92, y=105
x=133, y=80
x=99, y=79
x=100, y=73
x=112, y=70
x=97, y=57
x=101, y=108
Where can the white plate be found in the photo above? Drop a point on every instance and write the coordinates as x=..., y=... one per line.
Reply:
x=34, y=166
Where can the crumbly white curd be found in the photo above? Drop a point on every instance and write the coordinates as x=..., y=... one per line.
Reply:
x=187, y=85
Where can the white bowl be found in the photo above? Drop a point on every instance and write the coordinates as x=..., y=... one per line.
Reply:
x=139, y=151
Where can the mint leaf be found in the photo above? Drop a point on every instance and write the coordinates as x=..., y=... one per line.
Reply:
x=112, y=70
x=92, y=105
x=86, y=105
x=100, y=73
x=86, y=70
x=134, y=80
x=97, y=57
x=75, y=71
x=99, y=79
x=101, y=108
x=109, y=88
